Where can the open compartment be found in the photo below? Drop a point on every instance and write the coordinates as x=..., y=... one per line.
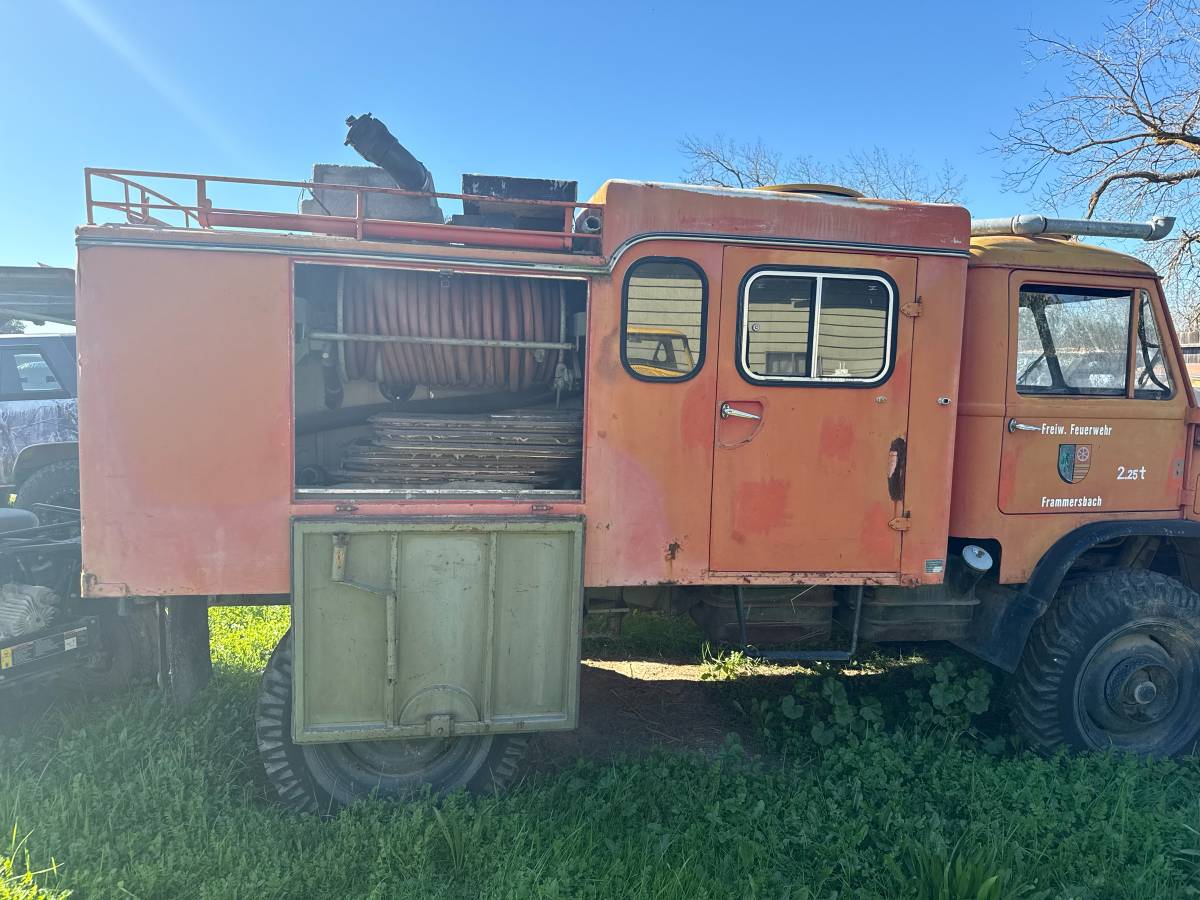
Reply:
x=418, y=383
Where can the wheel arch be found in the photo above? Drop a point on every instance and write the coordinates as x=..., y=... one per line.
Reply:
x=1057, y=562
x=35, y=456
x=1004, y=618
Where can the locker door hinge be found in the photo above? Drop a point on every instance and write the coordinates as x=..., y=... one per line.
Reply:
x=901, y=523
x=913, y=309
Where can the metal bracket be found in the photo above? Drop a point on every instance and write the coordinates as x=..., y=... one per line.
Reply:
x=901, y=523
x=913, y=309
x=441, y=726
x=341, y=543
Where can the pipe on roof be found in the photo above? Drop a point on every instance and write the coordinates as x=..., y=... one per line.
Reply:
x=1156, y=229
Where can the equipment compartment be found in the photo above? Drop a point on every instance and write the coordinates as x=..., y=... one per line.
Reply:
x=435, y=383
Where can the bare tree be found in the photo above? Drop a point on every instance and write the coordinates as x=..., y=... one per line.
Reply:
x=724, y=162
x=1123, y=134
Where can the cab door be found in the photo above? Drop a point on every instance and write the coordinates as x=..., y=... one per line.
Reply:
x=811, y=412
x=1095, y=409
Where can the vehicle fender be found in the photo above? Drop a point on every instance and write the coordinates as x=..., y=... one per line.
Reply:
x=1004, y=618
x=33, y=457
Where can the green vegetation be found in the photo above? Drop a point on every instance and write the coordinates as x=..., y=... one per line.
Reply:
x=649, y=636
x=893, y=780
x=17, y=878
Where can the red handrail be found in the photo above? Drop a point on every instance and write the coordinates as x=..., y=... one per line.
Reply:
x=204, y=214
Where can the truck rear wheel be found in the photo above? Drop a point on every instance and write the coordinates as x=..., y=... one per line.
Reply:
x=324, y=777
x=1115, y=662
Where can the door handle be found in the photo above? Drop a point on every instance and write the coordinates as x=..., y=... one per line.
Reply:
x=1014, y=425
x=728, y=411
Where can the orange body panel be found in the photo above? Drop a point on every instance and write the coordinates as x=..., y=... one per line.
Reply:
x=184, y=415
x=772, y=507
x=187, y=429
x=1004, y=480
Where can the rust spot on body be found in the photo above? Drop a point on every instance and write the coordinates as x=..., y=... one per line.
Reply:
x=897, y=463
x=761, y=507
x=837, y=439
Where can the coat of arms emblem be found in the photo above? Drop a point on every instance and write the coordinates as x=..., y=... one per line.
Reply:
x=1074, y=461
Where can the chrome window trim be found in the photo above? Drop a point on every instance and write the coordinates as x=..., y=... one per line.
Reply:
x=819, y=276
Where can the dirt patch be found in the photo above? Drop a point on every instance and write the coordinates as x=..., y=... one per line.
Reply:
x=629, y=707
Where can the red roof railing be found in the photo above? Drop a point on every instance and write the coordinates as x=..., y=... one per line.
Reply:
x=140, y=204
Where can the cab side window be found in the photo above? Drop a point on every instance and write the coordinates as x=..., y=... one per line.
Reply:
x=663, y=319
x=1073, y=341
x=816, y=327
x=1152, y=377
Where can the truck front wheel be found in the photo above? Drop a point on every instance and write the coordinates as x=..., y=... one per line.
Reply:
x=1114, y=662
x=324, y=777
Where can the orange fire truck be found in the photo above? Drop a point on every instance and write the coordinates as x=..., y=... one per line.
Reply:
x=805, y=417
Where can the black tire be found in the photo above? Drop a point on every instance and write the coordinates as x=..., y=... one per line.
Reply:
x=322, y=778
x=1115, y=662
x=129, y=656
x=56, y=484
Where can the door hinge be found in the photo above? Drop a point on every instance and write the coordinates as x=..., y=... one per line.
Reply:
x=901, y=523
x=913, y=309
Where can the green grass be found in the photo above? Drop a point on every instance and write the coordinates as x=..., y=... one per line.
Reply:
x=884, y=787
x=646, y=635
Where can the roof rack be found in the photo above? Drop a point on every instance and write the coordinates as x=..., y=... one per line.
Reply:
x=1156, y=229
x=140, y=204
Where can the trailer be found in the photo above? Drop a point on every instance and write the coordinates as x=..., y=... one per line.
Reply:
x=804, y=417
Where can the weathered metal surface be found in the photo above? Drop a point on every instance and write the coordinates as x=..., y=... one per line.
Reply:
x=506, y=190
x=1050, y=253
x=435, y=628
x=205, y=492
x=377, y=206
x=1029, y=225
x=1020, y=469
x=138, y=203
x=200, y=505
x=510, y=449
x=768, y=517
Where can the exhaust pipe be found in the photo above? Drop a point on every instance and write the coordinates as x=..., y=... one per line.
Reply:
x=1156, y=229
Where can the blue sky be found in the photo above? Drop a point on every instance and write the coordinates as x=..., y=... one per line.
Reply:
x=587, y=91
